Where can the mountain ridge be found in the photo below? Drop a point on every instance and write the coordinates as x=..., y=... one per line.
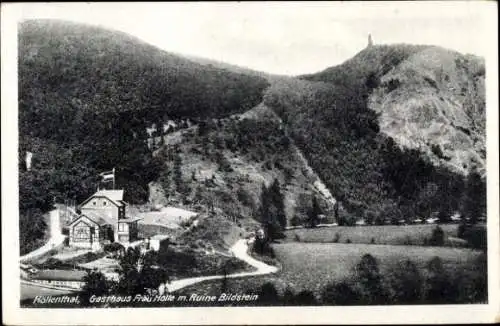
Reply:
x=87, y=98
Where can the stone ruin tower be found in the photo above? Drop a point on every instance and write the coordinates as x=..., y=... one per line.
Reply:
x=370, y=40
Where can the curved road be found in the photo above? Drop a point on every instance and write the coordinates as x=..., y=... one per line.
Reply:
x=56, y=237
x=239, y=249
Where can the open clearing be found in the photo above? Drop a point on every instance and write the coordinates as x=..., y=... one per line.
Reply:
x=373, y=234
x=103, y=264
x=313, y=265
x=169, y=217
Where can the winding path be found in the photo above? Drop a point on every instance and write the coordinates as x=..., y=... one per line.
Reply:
x=239, y=249
x=56, y=237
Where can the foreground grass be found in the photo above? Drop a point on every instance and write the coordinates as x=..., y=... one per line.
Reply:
x=310, y=266
x=372, y=234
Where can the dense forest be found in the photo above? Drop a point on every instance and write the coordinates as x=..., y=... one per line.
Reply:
x=86, y=96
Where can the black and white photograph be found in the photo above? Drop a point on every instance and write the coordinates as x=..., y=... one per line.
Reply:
x=250, y=155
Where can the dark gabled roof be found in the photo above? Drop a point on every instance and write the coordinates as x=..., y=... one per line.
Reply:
x=115, y=196
x=95, y=216
x=59, y=275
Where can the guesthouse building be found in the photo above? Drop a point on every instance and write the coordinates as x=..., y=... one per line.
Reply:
x=103, y=219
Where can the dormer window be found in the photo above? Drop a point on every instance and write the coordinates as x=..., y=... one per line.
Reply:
x=104, y=202
x=94, y=203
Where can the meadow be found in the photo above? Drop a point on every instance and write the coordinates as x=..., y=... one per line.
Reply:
x=311, y=266
x=371, y=234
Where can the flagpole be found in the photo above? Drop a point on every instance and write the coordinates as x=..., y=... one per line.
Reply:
x=113, y=178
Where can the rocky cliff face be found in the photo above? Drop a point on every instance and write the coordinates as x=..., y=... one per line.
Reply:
x=434, y=101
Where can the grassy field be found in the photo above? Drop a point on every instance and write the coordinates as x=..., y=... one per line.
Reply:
x=313, y=265
x=150, y=230
x=373, y=234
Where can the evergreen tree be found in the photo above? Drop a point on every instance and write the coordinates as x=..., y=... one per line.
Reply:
x=406, y=283
x=277, y=203
x=272, y=211
x=95, y=284
x=474, y=198
x=369, y=280
x=313, y=213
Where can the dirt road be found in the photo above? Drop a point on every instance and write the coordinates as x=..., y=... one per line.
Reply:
x=56, y=237
x=239, y=249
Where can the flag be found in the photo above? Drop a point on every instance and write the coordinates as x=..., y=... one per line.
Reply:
x=108, y=175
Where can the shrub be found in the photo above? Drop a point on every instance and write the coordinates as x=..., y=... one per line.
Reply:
x=437, y=237
x=369, y=280
x=305, y=298
x=268, y=294
x=262, y=247
x=461, y=230
x=408, y=241
x=340, y=294
x=476, y=236
x=297, y=237
x=95, y=284
x=288, y=297
x=336, y=239
x=406, y=283
x=439, y=288
x=348, y=241
x=295, y=221
x=113, y=247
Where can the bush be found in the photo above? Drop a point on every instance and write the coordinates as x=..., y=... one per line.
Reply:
x=305, y=298
x=369, y=281
x=295, y=221
x=297, y=237
x=336, y=239
x=437, y=237
x=439, y=288
x=113, y=247
x=476, y=236
x=406, y=283
x=262, y=247
x=268, y=294
x=288, y=297
x=461, y=230
x=342, y=294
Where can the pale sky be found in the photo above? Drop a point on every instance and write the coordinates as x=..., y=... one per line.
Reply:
x=283, y=38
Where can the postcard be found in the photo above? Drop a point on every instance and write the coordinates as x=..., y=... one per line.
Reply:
x=250, y=163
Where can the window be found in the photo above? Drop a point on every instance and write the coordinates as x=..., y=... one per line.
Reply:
x=81, y=233
x=121, y=226
x=104, y=202
x=94, y=203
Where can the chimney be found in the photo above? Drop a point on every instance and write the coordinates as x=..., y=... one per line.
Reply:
x=370, y=41
x=29, y=155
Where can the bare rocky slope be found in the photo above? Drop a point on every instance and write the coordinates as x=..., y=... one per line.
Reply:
x=393, y=132
x=427, y=97
x=434, y=101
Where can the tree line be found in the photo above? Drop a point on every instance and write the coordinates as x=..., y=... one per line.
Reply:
x=85, y=100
